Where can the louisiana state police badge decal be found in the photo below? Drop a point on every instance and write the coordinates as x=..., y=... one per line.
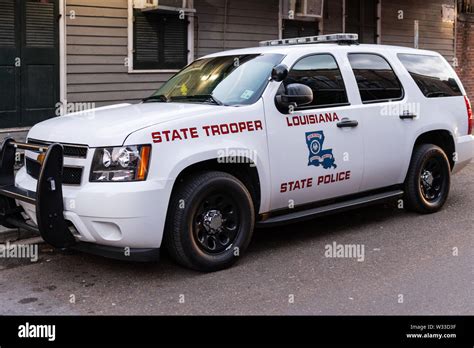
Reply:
x=317, y=155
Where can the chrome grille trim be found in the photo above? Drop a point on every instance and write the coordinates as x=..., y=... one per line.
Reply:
x=70, y=150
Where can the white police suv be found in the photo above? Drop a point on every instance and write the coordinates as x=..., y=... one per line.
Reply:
x=287, y=131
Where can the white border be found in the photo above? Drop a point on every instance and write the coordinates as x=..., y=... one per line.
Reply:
x=131, y=70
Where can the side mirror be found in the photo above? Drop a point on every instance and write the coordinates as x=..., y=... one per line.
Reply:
x=279, y=73
x=296, y=94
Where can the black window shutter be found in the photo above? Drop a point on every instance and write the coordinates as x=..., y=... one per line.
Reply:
x=40, y=28
x=7, y=23
x=160, y=41
x=146, y=42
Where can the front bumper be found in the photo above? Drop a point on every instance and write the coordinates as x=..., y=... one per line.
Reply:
x=118, y=220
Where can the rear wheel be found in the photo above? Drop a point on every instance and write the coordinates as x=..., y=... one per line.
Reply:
x=428, y=180
x=210, y=221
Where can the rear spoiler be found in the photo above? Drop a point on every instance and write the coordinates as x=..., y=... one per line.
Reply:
x=48, y=198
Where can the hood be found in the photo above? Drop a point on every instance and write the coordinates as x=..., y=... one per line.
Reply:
x=110, y=126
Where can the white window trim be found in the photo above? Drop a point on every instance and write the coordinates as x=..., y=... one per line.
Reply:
x=131, y=70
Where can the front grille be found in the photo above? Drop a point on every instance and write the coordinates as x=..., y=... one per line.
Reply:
x=71, y=175
x=69, y=150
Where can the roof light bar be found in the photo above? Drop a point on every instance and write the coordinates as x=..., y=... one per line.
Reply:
x=338, y=38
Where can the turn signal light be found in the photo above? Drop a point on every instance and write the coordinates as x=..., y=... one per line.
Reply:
x=144, y=162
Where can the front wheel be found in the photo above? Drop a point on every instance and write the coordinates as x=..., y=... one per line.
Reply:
x=210, y=221
x=428, y=179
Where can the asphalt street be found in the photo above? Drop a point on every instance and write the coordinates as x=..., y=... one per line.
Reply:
x=412, y=264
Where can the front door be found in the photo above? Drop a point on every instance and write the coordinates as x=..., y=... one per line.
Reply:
x=29, y=61
x=314, y=155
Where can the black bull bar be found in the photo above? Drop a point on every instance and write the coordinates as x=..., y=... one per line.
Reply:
x=48, y=198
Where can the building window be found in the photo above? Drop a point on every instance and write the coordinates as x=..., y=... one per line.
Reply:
x=376, y=80
x=160, y=40
x=321, y=73
x=466, y=6
x=361, y=18
x=292, y=28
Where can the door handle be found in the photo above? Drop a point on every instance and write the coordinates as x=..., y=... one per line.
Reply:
x=346, y=123
x=408, y=116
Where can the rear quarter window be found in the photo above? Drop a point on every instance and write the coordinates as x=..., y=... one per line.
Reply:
x=432, y=75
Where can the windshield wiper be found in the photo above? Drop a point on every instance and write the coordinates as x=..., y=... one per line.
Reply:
x=157, y=98
x=204, y=97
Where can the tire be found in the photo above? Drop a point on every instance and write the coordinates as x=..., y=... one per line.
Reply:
x=210, y=221
x=428, y=180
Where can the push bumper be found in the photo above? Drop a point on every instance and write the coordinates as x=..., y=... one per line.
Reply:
x=48, y=198
x=48, y=203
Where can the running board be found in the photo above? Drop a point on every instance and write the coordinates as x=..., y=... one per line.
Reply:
x=330, y=209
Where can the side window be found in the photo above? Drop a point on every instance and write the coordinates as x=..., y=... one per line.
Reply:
x=375, y=78
x=321, y=73
x=432, y=75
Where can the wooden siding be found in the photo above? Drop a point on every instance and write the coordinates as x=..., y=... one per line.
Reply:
x=97, y=52
x=97, y=44
x=247, y=23
x=97, y=39
x=434, y=34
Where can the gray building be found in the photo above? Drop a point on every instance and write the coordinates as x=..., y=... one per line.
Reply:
x=65, y=55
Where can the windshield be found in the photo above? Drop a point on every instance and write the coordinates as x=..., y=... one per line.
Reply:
x=229, y=80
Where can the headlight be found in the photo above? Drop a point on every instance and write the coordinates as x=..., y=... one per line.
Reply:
x=119, y=164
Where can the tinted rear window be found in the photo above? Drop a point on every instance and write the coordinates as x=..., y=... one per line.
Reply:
x=432, y=75
x=376, y=80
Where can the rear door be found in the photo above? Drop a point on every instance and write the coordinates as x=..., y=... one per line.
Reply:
x=387, y=114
